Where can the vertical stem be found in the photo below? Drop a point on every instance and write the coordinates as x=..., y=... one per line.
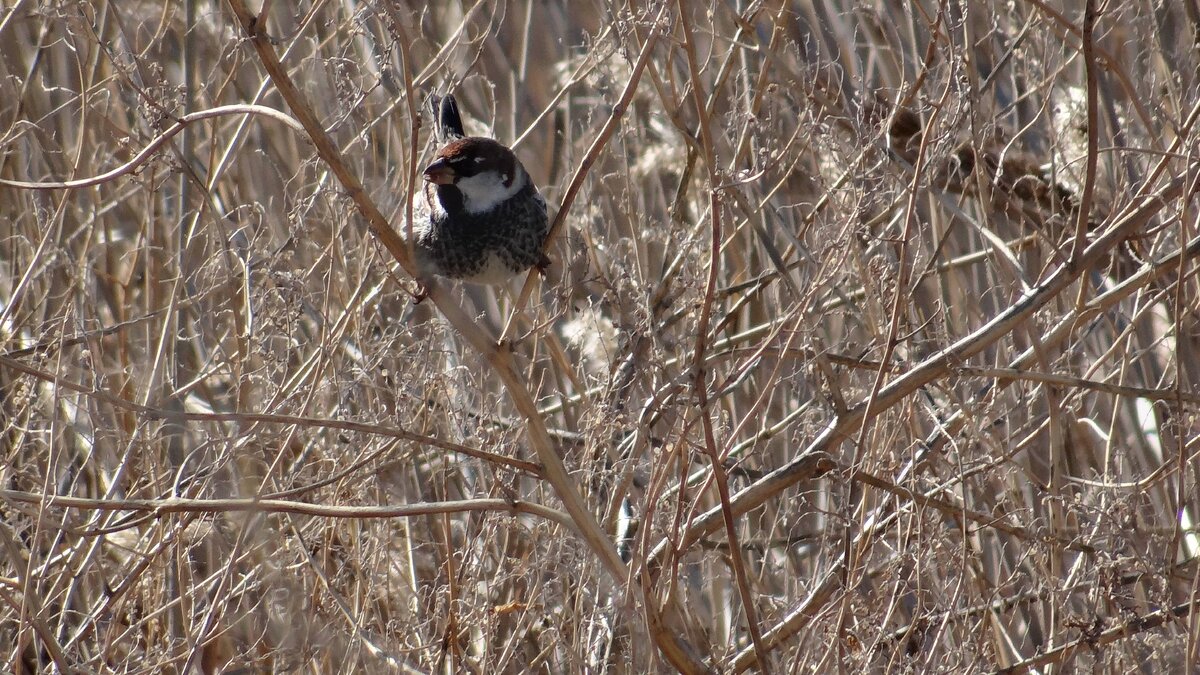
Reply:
x=698, y=376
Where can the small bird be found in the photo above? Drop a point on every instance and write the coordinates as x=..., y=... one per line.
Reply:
x=486, y=221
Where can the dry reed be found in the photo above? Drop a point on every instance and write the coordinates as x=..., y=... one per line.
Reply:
x=868, y=345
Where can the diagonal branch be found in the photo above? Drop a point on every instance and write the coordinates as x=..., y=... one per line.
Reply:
x=934, y=367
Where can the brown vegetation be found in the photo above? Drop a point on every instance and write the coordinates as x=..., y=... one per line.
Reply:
x=868, y=343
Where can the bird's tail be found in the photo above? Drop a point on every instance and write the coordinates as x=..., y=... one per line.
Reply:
x=450, y=125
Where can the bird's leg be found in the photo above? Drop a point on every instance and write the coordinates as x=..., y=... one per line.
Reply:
x=543, y=266
x=420, y=293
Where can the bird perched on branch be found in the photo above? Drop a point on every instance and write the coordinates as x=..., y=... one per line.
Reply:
x=486, y=221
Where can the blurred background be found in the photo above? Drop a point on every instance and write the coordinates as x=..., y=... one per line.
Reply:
x=869, y=183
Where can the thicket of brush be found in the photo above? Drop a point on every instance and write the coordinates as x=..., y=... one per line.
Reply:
x=870, y=340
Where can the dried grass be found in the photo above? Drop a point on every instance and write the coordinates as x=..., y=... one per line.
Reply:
x=868, y=346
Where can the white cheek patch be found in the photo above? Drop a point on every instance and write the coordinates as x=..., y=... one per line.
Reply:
x=483, y=191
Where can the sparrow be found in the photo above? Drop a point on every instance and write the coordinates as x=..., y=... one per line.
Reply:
x=486, y=221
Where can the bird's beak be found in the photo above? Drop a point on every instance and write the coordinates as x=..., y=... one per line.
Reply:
x=440, y=173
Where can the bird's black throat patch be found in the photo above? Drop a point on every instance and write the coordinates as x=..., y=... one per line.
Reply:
x=452, y=200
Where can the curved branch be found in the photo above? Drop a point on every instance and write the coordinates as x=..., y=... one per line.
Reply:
x=153, y=146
